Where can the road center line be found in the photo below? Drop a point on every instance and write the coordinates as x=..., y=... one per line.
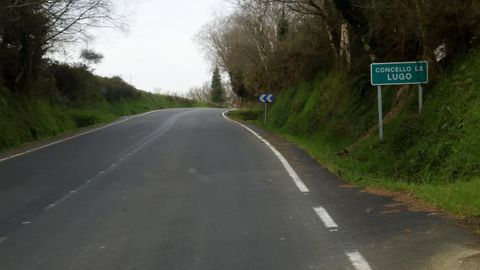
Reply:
x=325, y=217
x=301, y=186
x=115, y=163
x=358, y=261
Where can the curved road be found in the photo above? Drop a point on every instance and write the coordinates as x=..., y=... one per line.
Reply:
x=189, y=189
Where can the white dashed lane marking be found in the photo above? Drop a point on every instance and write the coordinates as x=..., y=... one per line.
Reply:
x=113, y=165
x=325, y=218
x=358, y=261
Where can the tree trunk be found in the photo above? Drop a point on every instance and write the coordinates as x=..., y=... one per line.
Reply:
x=345, y=48
x=359, y=23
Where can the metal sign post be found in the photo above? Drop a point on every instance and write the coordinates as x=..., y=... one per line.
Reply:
x=398, y=73
x=420, y=99
x=265, y=99
x=380, y=112
x=265, y=118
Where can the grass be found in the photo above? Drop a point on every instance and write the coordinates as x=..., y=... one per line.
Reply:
x=460, y=198
x=435, y=156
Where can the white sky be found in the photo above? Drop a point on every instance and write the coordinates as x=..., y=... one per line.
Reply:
x=159, y=50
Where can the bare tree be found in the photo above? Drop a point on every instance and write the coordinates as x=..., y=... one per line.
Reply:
x=71, y=20
x=201, y=93
x=267, y=45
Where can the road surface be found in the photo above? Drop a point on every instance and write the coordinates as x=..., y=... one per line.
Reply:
x=190, y=189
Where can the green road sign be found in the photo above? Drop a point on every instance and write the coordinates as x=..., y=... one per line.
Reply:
x=399, y=73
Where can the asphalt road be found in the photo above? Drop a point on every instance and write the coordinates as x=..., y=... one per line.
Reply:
x=189, y=189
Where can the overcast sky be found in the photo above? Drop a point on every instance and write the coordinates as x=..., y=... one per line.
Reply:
x=159, y=50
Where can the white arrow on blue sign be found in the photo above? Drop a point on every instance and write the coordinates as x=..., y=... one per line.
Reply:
x=266, y=98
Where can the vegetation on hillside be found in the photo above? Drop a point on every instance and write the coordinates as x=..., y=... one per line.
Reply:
x=434, y=156
x=74, y=98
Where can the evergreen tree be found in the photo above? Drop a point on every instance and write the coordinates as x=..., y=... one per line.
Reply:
x=217, y=92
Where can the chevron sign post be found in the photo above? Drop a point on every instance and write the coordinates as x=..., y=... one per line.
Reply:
x=265, y=99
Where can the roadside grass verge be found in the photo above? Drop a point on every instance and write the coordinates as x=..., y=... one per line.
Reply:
x=462, y=198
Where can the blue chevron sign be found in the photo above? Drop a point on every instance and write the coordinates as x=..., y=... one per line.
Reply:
x=266, y=98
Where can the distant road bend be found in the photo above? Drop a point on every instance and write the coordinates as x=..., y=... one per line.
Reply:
x=191, y=189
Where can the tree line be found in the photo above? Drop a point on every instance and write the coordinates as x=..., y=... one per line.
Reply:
x=266, y=45
x=216, y=91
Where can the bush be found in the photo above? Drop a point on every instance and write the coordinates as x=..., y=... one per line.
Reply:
x=77, y=84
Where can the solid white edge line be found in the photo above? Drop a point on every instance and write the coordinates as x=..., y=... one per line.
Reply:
x=75, y=136
x=325, y=217
x=358, y=261
x=296, y=179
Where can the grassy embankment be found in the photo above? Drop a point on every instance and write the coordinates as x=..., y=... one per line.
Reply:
x=435, y=156
x=25, y=119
